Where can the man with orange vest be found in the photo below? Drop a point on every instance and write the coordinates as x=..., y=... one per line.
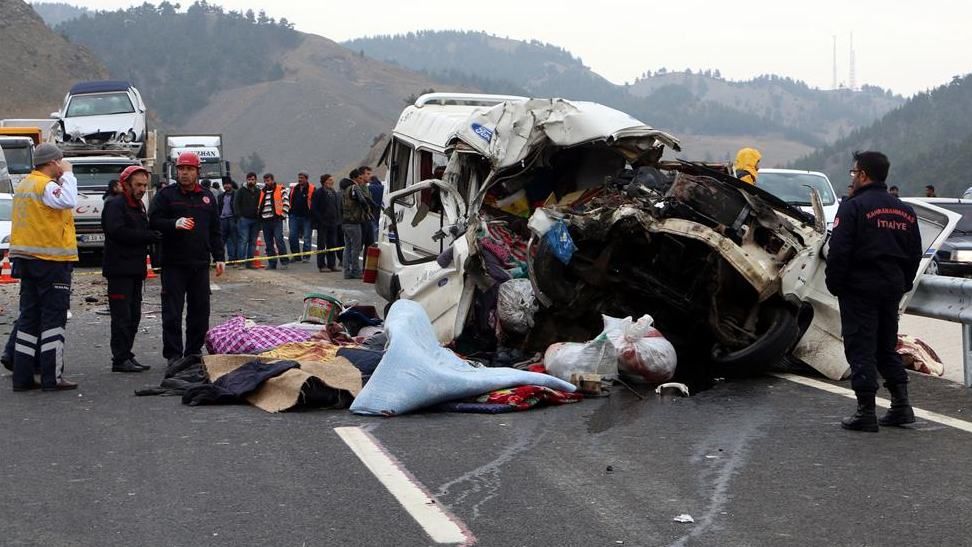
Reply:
x=300, y=216
x=187, y=215
x=274, y=205
x=44, y=248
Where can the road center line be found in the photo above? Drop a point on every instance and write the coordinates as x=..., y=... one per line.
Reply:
x=438, y=523
x=837, y=390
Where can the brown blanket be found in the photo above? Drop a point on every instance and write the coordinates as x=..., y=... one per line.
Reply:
x=284, y=391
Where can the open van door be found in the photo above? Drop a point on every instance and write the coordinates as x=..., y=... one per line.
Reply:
x=435, y=280
x=822, y=346
x=936, y=225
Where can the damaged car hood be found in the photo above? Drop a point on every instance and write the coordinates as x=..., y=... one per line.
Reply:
x=509, y=132
x=89, y=125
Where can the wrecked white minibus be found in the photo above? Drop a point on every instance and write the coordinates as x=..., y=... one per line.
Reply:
x=732, y=275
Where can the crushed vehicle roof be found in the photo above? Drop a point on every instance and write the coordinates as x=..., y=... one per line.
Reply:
x=99, y=86
x=508, y=133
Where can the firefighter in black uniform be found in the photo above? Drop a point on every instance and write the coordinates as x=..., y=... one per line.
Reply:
x=874, y=254
x=188, y=218
x=127, y=237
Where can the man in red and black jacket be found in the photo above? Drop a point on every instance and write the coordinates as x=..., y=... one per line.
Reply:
x=187, y=215
x=127, y=237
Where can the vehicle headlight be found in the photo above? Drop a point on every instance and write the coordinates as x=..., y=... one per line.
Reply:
x=130, y=136
x=962, y=256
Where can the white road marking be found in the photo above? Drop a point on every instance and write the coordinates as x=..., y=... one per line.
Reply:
x=437, y=522
x=837, y=390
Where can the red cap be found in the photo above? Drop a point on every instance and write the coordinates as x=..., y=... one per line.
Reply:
x=131, y=170
x=188, y=158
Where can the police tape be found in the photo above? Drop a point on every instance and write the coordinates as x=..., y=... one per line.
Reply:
x=247, y=260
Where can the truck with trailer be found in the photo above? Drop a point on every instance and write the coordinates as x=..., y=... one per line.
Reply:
x=209, y=148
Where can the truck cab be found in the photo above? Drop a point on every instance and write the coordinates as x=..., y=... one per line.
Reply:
x=93, y=174
x=19, y=154
x=209, y=148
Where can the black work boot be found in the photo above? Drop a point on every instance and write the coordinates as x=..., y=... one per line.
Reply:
x=864, y=419
x=900, y=412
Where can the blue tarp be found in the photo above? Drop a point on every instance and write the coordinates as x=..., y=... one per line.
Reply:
x=99, y=86
x=417, y=372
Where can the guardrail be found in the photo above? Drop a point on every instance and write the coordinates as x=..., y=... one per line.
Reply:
x=949, y=299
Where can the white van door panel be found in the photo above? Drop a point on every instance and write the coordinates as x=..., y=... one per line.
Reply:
x=822, y=345
x=440, y=290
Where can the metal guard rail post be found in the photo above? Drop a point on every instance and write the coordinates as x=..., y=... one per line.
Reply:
x=949, y=299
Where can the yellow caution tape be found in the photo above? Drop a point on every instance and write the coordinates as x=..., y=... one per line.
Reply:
x=254, y=259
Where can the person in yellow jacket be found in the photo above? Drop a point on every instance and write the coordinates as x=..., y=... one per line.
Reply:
x=44, y=249
x=746, y=166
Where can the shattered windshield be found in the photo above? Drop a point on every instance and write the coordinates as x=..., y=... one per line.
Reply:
x=794, y=188
x=104, y=104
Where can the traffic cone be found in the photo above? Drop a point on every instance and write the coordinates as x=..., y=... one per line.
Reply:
x=5, y=271
x=149, y=272
x=257, y=263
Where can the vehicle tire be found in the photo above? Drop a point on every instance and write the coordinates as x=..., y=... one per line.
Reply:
x=781, y=334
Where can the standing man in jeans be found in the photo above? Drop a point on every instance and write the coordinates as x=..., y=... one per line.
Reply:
x=44, y=249
x=356, y=207
x=274, y=206
x=187, y=215
x=326, y=210
x=228, y=219
x=247, y=204
x=301, y=226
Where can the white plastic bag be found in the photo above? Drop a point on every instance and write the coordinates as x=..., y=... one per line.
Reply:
x=516, y=305
x=595, y=357
x=641, y=349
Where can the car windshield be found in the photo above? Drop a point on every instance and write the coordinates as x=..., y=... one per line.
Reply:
x=794, y=188
x=18, y=160
x=95, y=178
x=6, y=206
x=102, y=104
x=965, y=209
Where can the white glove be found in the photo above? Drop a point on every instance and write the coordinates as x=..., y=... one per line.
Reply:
x=185, y=223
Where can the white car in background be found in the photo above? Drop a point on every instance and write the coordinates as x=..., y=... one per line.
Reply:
x=6, y=207
x=101, y=115
x=793, y=186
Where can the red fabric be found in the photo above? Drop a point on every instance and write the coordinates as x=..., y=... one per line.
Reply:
x=527, y=397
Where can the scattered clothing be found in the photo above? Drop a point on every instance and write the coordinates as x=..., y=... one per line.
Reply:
x=311, y=350
x=231, y=388
x=919, y=356
x=240, y=336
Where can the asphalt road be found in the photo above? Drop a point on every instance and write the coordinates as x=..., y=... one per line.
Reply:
x=754, y=462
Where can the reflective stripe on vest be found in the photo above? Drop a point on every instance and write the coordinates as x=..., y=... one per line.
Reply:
x=39, y=231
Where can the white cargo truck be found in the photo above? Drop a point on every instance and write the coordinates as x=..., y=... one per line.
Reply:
x=209, y=148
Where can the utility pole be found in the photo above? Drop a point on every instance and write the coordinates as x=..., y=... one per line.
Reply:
x=853, y=69
x=834, y=85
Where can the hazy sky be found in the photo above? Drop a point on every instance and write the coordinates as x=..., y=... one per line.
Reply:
x=905, y=46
